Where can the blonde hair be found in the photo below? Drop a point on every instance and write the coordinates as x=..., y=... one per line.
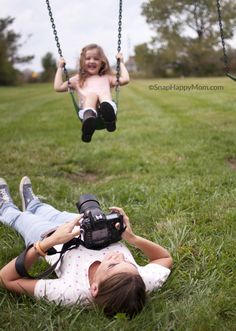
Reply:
x=105, y=66
x=121, y=293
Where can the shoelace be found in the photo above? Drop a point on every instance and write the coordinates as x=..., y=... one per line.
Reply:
x=30, y=191
x=4, y=194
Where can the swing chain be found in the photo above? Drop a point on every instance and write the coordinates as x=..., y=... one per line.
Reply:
x=119, y=27
x=118, y=51
x=222, y=37
x=57, y=40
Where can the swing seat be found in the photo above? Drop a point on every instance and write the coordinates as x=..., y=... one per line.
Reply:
x=100, y=124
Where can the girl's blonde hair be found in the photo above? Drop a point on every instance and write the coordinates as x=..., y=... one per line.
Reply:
x=105, y=66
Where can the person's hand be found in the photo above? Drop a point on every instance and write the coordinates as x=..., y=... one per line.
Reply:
x=128, y=234
x=66, y=231
x=61, y=63
x=120, y=57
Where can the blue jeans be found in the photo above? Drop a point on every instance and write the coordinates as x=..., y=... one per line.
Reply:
x=38, y=219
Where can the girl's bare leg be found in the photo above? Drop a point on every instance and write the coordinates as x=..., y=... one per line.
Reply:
x=90, y=101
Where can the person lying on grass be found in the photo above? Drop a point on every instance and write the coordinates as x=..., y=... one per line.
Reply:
x=93, y=84
x=109, y=278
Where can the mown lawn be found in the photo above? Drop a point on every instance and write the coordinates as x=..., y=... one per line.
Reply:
x=171, y=165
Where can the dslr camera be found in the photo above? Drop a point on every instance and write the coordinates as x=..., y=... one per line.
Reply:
x=98, y=230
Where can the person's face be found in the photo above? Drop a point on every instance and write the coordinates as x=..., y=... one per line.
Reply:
x=113, y=263
x=92, y=61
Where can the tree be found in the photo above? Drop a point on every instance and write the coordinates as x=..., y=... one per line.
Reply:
x=199, y=17
x=9, y=53
x=187, y=33
x=49, y=66
x=144, y=59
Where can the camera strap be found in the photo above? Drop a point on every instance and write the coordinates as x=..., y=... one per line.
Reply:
x=73, y=243
x=20, y=260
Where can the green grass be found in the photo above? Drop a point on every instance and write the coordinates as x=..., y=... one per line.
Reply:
x=171, y=165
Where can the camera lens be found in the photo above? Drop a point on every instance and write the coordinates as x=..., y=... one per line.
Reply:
x=88, y=203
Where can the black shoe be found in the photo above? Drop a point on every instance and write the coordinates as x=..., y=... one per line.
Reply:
x=89, y=125
x=108, y=116
x=5, y=196
x=26, y=192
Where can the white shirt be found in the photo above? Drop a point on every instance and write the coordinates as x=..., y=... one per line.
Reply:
x=72, y=285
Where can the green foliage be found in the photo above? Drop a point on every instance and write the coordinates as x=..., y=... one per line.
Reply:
x=144, y=58
x=187, y=37
x=49, y=67
x=9, y=45
x=172, y=18
x=171, y=164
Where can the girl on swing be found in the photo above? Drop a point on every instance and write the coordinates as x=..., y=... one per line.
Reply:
x=93, y=83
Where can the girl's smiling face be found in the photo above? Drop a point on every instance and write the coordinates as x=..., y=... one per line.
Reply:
x=92, y=61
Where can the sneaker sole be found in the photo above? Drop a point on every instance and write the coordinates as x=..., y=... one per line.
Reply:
x=109, y=116
x=88, y=128
x=21, y=192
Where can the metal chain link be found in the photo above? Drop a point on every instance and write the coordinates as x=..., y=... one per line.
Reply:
x=57, y=39
x=222, y=37
x=118, y=51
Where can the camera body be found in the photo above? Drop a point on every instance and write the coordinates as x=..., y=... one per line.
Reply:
x=98, y=230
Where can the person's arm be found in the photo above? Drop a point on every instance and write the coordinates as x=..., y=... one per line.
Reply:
x=124, y=74
x=11, y=280
x=154, y=252
x=59, y=84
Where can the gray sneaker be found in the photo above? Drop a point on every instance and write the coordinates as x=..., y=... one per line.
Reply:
x=5, y=196
x=26, y=192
